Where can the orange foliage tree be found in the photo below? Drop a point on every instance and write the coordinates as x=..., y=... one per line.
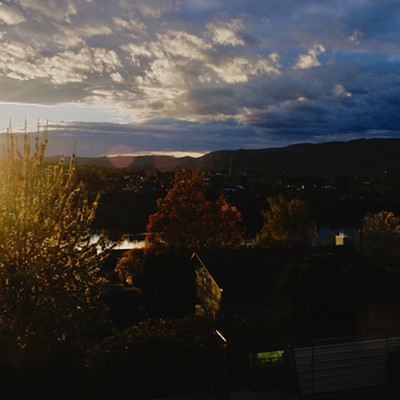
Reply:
x=187, y=221
x=130, y=267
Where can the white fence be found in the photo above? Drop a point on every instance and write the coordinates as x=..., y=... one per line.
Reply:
x=329, y=368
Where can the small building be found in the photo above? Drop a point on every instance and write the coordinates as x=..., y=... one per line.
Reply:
x=342, y=239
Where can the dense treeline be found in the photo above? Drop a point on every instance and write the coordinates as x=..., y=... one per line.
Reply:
x=128, y=199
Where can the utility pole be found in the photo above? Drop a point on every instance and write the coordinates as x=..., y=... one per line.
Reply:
x=384, y=189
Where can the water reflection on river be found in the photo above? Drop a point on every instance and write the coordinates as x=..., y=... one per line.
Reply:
x=125, y=242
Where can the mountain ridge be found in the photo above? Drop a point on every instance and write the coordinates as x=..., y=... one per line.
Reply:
x=360, y=156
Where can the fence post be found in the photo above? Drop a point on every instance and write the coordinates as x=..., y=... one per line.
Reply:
x=312, y=368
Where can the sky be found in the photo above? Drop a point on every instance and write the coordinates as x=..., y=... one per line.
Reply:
x=194, y=76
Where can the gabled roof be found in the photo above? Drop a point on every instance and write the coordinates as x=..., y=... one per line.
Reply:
x=234, y=268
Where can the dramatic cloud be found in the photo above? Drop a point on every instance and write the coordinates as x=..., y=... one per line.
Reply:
x=310, y=59
x=226, y=33
x=200, y=75
x=10, y=16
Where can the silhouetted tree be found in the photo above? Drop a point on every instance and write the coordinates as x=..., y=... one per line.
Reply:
x=381, y=239
x=187, y=221
x=287, y=223
x=49, y=268
x=320, y=291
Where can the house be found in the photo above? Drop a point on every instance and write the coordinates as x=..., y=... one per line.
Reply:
x=315, y=362
x=243, y=281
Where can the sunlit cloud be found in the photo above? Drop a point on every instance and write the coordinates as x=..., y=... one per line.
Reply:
x=10, y=16
x=226, y=33
x=176, y=154
x=310, y=59
x=129, y=24
x=59, y=10
x=340, y=91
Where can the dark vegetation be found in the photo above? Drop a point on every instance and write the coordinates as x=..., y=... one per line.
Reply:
x=340, y=182
x=321, y=297
x=156, y=340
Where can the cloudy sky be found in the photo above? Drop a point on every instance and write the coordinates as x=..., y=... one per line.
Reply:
x=139, y=76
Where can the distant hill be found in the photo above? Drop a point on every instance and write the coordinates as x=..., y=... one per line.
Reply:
x=160, y=163
x=363, y=156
